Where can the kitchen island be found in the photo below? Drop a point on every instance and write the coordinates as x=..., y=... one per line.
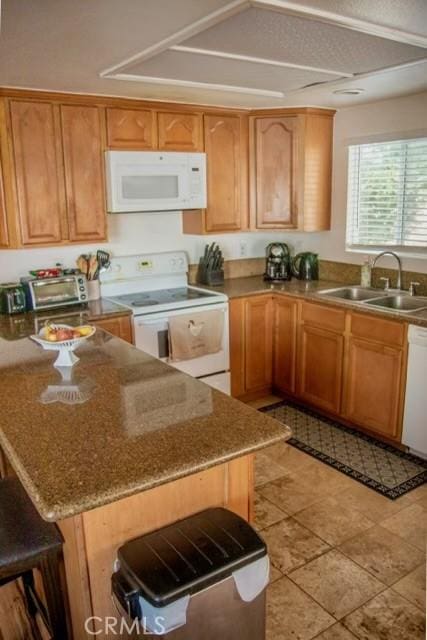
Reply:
x=120, y=445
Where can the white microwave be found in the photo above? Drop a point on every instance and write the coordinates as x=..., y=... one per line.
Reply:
x=155, y=181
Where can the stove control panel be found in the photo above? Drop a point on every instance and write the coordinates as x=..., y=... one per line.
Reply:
x=146, y=266
x=137, y=266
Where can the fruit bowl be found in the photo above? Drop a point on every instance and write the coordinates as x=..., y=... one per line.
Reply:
x=48, y=338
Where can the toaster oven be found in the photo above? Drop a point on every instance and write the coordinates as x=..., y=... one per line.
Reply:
x=48, y=293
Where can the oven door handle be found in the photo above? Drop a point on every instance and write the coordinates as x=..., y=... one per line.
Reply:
x=145, y=322
x=148, y=323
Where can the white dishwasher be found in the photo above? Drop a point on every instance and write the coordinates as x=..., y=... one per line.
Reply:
x=415, y=416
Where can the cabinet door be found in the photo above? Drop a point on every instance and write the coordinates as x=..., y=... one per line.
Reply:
x=284, y=347
x=320, y=366
x=258, y=343
x=372, y=391
x=131, y=129
x=274, y=172
x=237, y=346
x=225, y=147
x=4, y=235
x=39, y=180
x=120, y=327
x=180, y=131
x=84, y=172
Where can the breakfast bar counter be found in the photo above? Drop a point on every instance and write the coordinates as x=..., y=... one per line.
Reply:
x=119, y=445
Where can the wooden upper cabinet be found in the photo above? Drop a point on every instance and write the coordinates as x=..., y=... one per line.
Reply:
x=84, y=172
x=226, y=173
x=180, y=131
x=39, y=181
x=316, y=182
x=274, y=172
x=131, y=129
x=285, y=344
x=4, y=233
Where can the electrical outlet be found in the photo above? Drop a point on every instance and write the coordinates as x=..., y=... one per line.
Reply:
x=243, y=251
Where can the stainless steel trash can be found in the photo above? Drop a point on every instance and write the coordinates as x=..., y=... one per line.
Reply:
x=202, y=577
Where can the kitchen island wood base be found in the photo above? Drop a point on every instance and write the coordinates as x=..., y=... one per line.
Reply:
x=93, y=537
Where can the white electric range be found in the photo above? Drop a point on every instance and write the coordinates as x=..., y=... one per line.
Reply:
x=154, y=287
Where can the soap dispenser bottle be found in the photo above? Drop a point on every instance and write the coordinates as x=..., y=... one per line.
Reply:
x=366, y=272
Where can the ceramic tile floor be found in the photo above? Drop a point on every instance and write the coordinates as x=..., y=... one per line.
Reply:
x=347, y=562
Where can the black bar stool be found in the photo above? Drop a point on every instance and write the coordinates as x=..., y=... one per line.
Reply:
x=27, y=542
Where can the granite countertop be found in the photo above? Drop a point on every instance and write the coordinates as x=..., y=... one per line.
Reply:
x=141, y=423
x=254, y=285
x=18, y=326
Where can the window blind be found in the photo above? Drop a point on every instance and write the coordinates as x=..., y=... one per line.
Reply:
x=387, y=194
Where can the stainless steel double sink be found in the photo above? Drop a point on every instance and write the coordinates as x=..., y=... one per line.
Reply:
x=387, y=301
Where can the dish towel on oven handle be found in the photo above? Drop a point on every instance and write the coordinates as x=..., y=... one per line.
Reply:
x=195, y=335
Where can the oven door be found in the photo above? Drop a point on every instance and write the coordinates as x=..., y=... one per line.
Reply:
x=151, y=336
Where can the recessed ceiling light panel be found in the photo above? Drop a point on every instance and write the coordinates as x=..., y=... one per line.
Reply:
x=349, y=92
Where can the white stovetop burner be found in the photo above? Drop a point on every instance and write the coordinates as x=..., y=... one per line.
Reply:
x=151, y=283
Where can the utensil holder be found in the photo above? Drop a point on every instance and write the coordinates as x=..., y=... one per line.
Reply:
x=93, y=290
x=213, y=278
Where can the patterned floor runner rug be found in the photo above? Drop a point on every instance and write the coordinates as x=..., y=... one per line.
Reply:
x=379, y=466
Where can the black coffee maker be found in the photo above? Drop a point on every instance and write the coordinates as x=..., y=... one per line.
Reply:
x=278, y=262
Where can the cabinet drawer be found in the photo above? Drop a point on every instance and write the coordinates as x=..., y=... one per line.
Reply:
x=377, y=329
x=327, y=318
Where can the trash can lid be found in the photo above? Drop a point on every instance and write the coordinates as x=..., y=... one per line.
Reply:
x=190, y=555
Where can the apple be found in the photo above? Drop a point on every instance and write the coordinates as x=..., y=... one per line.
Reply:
x=64, y=334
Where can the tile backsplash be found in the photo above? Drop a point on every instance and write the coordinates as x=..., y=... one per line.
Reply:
x=328, y=270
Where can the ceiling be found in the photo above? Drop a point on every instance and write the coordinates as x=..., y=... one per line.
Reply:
x=246, y=53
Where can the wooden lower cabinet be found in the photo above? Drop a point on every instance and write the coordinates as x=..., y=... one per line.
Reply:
x=320, y=358
x=320, y=367
x=285, y=344
x=346, y=364
x=251, y=355
x=120, y=327
x=375, y=376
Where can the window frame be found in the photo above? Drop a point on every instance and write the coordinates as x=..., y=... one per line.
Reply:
x=404, y=250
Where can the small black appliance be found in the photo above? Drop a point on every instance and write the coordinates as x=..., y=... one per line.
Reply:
x=278, y=262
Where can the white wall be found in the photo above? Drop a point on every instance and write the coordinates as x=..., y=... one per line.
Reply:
x=136, y=233
x=397, y=116
x=145, y=233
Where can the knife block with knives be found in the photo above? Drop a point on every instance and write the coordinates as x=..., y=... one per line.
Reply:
x=211, y=271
